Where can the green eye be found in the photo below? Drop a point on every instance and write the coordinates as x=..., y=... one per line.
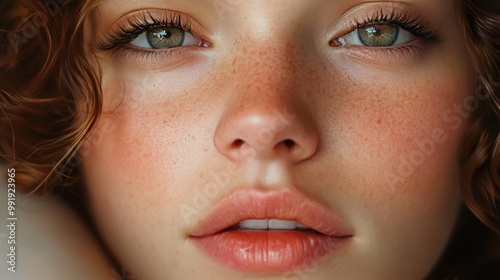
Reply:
x=378, y=35
x=165, y=38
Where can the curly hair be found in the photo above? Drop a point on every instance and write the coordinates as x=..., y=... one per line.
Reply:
x=45, y=78
x=51, y=98
x=480, y=147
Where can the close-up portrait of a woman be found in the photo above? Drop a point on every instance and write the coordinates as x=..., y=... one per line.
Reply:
x=250, y=139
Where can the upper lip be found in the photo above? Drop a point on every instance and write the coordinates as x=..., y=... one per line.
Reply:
x=282, y=204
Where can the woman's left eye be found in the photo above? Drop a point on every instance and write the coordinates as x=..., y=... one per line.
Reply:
x=377, y=35
x=165, y=38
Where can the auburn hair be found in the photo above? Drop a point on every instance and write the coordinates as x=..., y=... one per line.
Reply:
x=51, y=98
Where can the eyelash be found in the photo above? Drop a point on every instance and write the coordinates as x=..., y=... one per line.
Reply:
x=414, y=25
x=409, y=23
x=144, y=21
x=138, y=24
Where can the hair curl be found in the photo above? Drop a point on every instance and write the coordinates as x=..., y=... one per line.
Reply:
x=45, y=78
x=480, y=147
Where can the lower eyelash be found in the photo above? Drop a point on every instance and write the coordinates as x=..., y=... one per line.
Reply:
x=147, y=57
x=399, y=54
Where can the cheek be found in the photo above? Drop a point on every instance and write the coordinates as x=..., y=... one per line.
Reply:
x=393, y=128
x=150, y=122
x=136, y=139
x=155, y=135
x=401, y=134
x=395, y=132
x=132, y=163
x=396, y=159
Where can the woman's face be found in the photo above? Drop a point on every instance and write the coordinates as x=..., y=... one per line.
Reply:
x=278, y=110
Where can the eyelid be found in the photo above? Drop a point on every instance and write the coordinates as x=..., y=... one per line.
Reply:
x=111, y=37
x=367, y=13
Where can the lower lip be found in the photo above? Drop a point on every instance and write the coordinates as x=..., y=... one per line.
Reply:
x=269, y=251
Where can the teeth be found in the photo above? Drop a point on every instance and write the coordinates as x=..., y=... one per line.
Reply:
x=253, y=224
x=270, y=224
x=281, y=224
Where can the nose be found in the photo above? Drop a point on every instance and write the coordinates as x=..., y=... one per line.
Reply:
x=265, y=133
x=264, y=118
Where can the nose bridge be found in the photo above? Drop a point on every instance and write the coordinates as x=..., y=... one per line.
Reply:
x=263, y=92
x=264, y=76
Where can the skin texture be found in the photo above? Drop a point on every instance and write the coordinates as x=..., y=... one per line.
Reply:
x=375, y=133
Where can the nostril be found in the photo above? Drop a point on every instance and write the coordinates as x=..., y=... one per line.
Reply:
x=289, y=143
x=237, y=143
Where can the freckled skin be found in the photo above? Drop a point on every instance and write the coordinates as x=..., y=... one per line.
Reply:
x=357, y=126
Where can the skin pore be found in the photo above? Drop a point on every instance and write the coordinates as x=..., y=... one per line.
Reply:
x=268, y=98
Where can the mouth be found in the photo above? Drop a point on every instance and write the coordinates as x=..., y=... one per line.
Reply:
x=269, y=232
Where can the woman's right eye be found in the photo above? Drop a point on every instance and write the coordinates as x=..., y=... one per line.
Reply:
x=165, y=38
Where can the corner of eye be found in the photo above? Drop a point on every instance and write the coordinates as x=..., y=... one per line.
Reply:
x=337, y=42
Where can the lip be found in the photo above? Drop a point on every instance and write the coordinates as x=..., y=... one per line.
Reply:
x=269, y=251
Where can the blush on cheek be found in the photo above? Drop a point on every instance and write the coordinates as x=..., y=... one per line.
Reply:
x=391, y=128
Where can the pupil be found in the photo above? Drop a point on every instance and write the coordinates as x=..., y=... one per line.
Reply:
x=374, y=31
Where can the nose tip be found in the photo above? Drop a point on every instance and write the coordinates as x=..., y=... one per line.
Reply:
x=278, y=134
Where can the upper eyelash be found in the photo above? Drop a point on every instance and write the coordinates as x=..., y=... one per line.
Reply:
x=139, y=24
x=413, y=25
x=144, y=21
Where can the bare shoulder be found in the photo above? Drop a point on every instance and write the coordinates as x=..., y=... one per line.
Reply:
x=49, y=240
